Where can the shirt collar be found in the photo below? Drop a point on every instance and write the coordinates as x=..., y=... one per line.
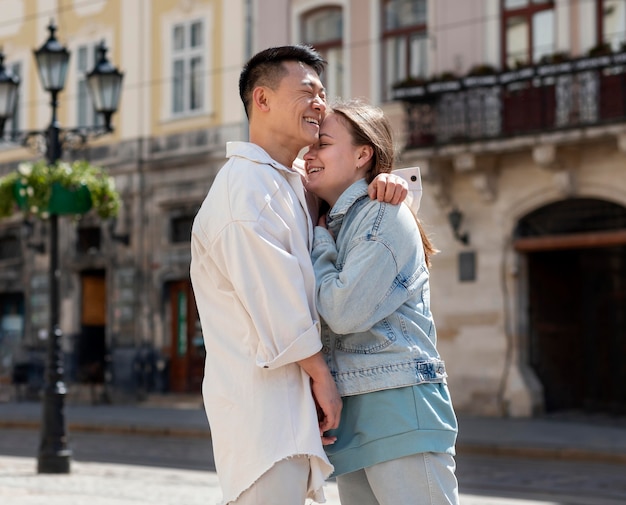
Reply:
x=254, y=153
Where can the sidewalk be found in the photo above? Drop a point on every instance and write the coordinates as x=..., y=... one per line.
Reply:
x=590, y=440
x=107, y=484
x=594, y=440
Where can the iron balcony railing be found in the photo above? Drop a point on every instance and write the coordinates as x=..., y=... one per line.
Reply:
x=576, y=93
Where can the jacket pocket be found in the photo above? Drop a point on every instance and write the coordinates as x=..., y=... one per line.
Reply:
x=375, y=340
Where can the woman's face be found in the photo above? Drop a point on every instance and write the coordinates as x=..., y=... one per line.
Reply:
x=333, y=163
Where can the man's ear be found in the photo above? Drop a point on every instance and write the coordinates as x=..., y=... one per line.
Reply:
x=260, y=98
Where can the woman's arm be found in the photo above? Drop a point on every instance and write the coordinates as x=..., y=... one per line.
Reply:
x=369, y=286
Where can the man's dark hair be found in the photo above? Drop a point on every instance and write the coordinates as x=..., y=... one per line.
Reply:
x=266, y=68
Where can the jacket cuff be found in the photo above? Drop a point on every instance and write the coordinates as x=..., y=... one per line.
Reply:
x=322, y=236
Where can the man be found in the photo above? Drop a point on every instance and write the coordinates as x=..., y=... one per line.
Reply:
x=267, y=391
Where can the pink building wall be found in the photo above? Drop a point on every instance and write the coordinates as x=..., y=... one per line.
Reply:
x=358, y=50
x=457, y=35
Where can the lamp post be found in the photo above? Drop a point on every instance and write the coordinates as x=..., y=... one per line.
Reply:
x=104, y=82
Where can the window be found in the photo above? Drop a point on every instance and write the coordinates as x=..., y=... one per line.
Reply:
x=323, y=29
x=88, y=240
x=10, y=246
x=13, y=123
x=612, y=23
x=405, y=41
x=187, y=67
x=180, y=228
x=11, y=332
x=528, y=31
x=85, y=61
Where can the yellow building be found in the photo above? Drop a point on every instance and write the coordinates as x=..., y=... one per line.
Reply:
x=126, y=303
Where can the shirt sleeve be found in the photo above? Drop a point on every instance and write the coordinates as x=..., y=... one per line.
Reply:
x=268, y=272
x=413, y=178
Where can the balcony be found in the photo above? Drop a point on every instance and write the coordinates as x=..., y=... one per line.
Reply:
x=573, y=94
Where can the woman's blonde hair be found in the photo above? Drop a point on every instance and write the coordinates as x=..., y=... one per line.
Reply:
x=368, y=126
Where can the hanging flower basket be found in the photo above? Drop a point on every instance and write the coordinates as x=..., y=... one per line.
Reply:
x=62, y=200
x=39, y=189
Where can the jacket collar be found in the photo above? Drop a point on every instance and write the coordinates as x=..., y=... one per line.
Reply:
x=354, y=193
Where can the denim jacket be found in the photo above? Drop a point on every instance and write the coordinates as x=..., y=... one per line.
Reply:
x=373, y=295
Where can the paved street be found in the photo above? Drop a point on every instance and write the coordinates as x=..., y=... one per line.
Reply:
x=119, y=469
x=562, y=482
x=107, y=484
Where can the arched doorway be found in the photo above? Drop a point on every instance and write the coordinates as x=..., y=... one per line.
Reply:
x=576, y=264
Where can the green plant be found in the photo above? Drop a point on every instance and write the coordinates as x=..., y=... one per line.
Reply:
x=30, y=187
x=482, y=69
x=443, y=76
x=558, y=57
x=410, y=82
x=601, y=49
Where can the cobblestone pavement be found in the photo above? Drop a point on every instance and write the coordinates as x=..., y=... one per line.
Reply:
x=113, y=469
x=104, y=484
x=116, y=484
x=567, y=482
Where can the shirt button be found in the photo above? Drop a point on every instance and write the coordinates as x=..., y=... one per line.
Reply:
x=325, y=349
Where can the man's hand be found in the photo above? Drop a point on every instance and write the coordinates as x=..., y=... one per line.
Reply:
x=325, y=394
x=388, y=188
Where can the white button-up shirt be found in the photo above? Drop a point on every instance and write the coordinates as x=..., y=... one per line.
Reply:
x=255, y=291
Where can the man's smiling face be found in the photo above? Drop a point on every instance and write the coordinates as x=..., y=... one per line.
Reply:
x=299, y=105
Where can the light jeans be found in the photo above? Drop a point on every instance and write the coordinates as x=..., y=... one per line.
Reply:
x=283, y=484
x=420, y=479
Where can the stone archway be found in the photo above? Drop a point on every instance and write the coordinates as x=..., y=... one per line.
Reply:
x=576, y=266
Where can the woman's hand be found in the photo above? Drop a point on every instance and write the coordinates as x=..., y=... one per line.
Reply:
x=328, y=404
x=324, y=390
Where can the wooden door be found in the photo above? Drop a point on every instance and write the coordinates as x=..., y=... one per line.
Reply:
x=578, y=328
x=91, y=344
x=186, y=347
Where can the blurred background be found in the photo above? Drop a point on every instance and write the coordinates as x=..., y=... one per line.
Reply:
x=515, y=111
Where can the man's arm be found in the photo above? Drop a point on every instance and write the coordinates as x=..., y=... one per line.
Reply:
x=389, y=188
x=413, y=179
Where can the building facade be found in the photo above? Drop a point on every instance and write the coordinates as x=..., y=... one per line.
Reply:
x=515, y=110
x=127, y=310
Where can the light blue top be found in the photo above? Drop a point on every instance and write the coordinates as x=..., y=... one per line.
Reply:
x=390, y=424
x=378, y=334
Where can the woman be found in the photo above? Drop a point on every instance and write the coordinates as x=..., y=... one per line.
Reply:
x=395, y=441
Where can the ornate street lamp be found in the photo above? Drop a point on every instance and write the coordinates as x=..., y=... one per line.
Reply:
x=105, y=84
x=105, y=80
x=52, y=61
